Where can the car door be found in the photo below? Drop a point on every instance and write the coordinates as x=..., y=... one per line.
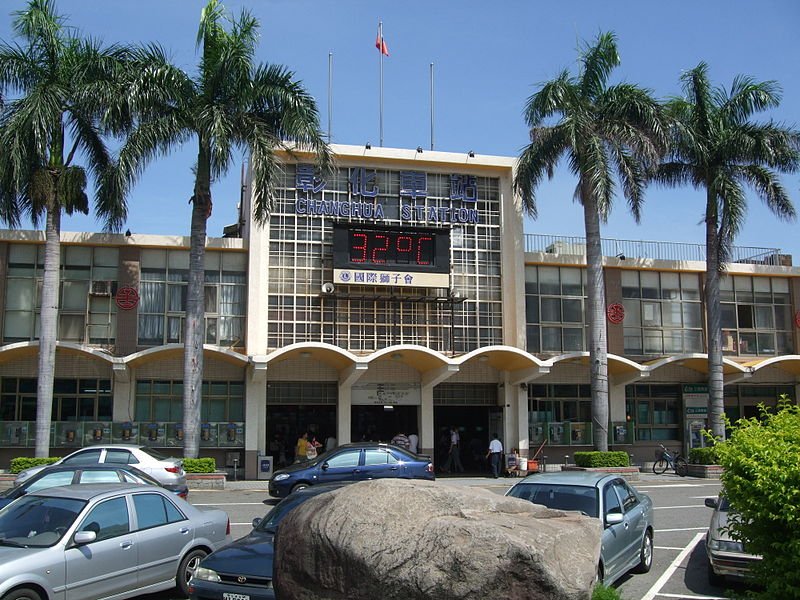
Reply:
x=163, y=532
x=634, y=519
x=378, y=463
x=108, y=565
x=614, y=539
x=342, y=466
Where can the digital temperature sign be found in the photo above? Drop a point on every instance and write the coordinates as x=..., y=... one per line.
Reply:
x=395, y=249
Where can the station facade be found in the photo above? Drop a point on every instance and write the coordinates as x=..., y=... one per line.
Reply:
x=398, y=293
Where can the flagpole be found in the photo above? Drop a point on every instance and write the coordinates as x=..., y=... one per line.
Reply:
x=330, y=95
x=432, y=109
x=380, y=51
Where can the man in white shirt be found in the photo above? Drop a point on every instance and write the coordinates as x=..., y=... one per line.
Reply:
x=413, y=442
x=495, y=455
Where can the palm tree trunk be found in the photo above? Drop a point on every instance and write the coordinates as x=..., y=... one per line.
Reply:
x=195, y=309
x=598, y=347
x=716, y=405
x=48, y=329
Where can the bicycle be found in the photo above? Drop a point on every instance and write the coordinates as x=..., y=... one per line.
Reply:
x=665, y=459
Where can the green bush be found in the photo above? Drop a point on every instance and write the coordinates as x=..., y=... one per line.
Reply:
x=602, y=592
x=703, y=456
x=761, y=478
x=199, y=465
x=602, y=459
x=26, y=462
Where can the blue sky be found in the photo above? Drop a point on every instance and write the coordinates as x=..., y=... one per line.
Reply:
x=489, y=58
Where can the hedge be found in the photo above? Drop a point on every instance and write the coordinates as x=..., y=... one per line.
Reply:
x=703, y=456
x=199, y=465
x=26, y=462
x=602, y=459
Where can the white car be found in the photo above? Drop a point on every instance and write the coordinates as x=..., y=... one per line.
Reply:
x=168, y=471
x=117, y=540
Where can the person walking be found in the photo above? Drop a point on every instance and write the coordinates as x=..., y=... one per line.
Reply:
x=453, y=456
x=495, y=455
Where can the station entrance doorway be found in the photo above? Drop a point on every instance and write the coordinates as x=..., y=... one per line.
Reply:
x=476, y=425
x=382, y=423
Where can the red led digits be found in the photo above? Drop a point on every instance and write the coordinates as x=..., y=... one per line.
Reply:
x=358, y=252
x=379, y=248
x=420, y=260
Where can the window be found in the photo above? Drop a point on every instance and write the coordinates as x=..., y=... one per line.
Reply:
x=100, y=477
x=51, y=480
x=555, y=301
x=85, y=457
x=349, y=458
x=756, y=316
x=663, y=313
x=73, y=399
x=88, y=280
x=611, y=500
x=108, y=519
x=153, y=510
x=121, y=457
x=163, y=287
x=655, y=410
x=626, y=494
x=162, y=401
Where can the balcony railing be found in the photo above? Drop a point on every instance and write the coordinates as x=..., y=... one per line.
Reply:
x=633, y=249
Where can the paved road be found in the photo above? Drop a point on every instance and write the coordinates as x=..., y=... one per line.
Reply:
x=679, y=567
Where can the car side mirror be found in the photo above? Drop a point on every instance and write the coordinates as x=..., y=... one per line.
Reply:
x=711, y=502
x=324, y=466
x=256, y=521
x=614, y=518
x=84, y=537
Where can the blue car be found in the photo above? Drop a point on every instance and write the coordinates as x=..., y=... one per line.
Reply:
x=243, y=570
x=352, y=462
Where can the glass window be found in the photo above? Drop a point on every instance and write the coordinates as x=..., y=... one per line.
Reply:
x=108, y=519
x=100, y=477
x=121, y=457
x=50, y=480
x=611, y=501
x=85, y=457
x=349, y=458
x=150, y=510
x=375, y=457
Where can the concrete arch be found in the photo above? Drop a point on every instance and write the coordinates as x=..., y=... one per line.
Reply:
x=171, y=350
x=503, y=358
x=418, y=357
x=17, y=350
x=336, y=357
x=789, y=363
x=698, y=362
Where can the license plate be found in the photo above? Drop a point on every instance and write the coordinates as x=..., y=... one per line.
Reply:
x=227, y=596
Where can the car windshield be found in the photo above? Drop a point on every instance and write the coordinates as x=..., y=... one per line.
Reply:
x=269, y=523
x=562, y=497
x=37, y=521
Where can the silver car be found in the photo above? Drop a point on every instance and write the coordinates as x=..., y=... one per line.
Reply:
x=626, y=515
x=168, y=471
x=726, y=556
x=117, y=540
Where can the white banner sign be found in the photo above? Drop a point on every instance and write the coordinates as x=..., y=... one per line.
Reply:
x=391, y=278
x=387, y=394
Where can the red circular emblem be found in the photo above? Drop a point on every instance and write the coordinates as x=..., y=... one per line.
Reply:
x=797, y=318
x=615, y=313
x=127, y=298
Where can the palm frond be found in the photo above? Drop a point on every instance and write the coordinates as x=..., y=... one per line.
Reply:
x=598, y=60
x=553, y=97
x=632, y=177
x=538, y=159
x=748, y=96
x=769, y=188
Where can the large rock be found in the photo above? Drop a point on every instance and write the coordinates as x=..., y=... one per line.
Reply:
x=388, y=539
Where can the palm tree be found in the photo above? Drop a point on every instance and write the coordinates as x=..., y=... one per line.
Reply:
x=602, y=129
x=57, y=92
x=715, y=146
x=231, y=104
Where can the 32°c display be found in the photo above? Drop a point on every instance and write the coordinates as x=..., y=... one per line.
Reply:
x=383, y=248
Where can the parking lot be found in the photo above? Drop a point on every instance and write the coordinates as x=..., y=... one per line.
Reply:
x=679, y=566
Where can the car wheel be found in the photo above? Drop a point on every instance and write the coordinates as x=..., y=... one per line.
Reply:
x=645, y=554
x=599, y=574
x=22, y=594
x=299, y=486
x=187, y=568
x=714, y=579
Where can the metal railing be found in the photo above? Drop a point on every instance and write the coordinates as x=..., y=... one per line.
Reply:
x=633, y=249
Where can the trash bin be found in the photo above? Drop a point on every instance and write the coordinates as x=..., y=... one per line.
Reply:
x=265, y=466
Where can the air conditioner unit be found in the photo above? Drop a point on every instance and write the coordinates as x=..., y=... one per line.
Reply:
x=102, y=288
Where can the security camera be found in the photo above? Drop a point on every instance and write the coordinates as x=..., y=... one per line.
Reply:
x=327, y=288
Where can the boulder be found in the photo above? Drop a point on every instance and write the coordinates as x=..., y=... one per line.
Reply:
x=409, y=540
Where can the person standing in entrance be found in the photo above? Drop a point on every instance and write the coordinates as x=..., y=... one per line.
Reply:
x=301, y=449
x=401, y=440
x=453, y=456
x=495, y=455
x=413, y=442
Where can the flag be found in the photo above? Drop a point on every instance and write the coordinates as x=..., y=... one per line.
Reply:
x=380, y=43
